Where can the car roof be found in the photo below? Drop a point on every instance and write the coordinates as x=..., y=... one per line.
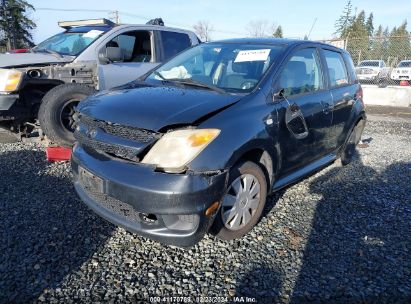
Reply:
x=278, y=41
x=153, y=27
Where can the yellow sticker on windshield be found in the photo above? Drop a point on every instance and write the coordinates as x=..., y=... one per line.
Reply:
x=252, y=55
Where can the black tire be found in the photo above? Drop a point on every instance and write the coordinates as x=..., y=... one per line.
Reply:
x=218, y=228
x=54, y=109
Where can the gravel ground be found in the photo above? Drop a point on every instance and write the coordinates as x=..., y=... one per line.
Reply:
x=342, y=235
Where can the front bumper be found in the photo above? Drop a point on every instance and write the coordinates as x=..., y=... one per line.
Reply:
x=130, y=193
x=400, y=77
x=7, y=100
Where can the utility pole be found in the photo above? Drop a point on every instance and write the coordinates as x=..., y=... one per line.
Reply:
x=115, y=16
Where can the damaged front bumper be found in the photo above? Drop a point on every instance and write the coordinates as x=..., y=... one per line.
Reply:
x=169, y=208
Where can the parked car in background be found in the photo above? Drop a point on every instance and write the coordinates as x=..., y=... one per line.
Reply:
x=42, y=87
x=198, y=143
x=373, y=71
x=402, y=71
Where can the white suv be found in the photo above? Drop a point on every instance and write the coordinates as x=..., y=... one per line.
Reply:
x=402, y=71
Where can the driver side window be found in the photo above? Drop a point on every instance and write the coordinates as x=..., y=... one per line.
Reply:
x=302, y=73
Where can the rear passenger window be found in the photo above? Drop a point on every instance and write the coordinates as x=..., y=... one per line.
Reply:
x=174, y=43
x=337, y=70
x=302, y=73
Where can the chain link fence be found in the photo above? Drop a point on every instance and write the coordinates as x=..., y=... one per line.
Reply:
x=379, y=60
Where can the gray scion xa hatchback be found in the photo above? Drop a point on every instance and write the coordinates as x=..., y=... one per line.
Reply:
x=197, y=144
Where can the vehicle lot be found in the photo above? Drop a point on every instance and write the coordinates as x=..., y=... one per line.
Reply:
x=342, y=234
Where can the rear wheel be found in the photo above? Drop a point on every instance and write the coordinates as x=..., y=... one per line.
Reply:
x=243, y=202
x=56, y=113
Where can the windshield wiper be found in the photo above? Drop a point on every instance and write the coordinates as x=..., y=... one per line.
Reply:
x=192, y=82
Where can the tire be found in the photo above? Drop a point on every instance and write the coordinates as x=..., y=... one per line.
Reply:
x=221, y=226
x=55, y=113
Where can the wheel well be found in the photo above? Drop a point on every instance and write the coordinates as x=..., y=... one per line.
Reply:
x=264, y=160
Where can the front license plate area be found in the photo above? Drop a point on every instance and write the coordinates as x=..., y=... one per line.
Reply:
x=90, y=182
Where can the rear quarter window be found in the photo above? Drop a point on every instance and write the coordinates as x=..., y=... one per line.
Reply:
x=351, y=68
x=174, y=43
x=337, y=71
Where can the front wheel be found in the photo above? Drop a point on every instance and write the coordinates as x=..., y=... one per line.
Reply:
x=243, y=202
x=56, y=113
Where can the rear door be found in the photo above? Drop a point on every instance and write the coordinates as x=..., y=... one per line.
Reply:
x=306, y=112
x=343, y=94
x=172, y=43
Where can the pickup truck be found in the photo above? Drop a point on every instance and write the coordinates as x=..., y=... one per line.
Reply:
x=374, y=71
x=40, y=89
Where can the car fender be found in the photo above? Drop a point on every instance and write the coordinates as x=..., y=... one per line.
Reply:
x=246, y=128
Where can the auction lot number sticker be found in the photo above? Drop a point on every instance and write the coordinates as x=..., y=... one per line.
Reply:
x=252, y=55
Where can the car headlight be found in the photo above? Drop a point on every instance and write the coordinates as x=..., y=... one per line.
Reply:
x=9, y=80
x=176, y=149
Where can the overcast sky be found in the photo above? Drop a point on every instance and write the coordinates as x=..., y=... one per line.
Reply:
x=228, y=17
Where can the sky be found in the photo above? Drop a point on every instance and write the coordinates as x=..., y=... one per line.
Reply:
x=229, y=18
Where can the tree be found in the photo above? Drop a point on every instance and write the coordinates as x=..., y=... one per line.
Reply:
x=15, y=25
x=278, y=33
x=370, y=24
x=345, y=21
x=257, y=28
x=399, y=42
x=203, y=30
x=358, y=44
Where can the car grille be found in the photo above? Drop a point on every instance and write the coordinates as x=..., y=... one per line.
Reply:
x=126, y=132
x=116, y=150
x=139, y=138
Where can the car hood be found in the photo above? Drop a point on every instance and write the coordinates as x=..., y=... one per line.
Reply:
x=154, y=108
x=25, y=59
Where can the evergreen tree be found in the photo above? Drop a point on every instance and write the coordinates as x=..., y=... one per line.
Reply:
x=15, y=25
x=343, y=24
x=399, y=43
x=358, y=40
x=370, y=24
x=278, y=32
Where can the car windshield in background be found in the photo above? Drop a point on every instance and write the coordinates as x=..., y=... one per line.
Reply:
x=71, y=42
x=369, y=64
x=405, y=64
x=231, y=67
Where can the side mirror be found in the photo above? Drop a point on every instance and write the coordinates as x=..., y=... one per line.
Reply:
x=278, y=96
x=113, y=54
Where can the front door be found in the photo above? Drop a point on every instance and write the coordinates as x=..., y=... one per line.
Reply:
x=137, y=51
x=305, y=112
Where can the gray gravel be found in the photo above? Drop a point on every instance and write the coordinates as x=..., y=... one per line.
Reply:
x=342, y=235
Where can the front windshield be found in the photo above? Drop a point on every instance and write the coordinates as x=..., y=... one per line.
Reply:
x=232, y=67
x=370, y=63
x=69, y=43
x=405, y=64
